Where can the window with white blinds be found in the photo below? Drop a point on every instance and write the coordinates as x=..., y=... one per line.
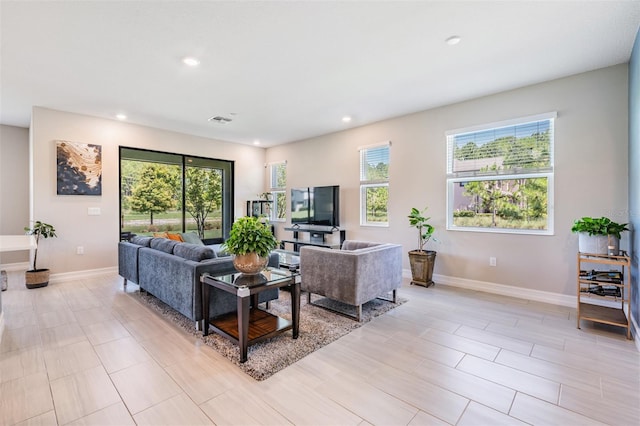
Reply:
x=500, y=176
x=374, y=185
x=278, y=185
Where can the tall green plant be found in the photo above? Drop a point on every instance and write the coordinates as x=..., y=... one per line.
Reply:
x=420, y=222
x=39, y=229
x=249, y=235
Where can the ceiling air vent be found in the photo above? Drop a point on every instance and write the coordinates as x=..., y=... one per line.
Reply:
x=220, y=119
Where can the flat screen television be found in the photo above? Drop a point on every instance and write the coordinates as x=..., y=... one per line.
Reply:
x=317, y=205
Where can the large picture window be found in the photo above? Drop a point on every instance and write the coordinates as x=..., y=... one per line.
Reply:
x=500, y=176
x=164, y=192
x=374, y=185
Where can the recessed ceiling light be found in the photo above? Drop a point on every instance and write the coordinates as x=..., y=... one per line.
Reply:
x=191, y=61
x=346, y=119
x=256, y=142
x=121, y=116
x=453, y=40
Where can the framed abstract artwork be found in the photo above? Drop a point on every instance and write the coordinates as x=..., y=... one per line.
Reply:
x=79, y=168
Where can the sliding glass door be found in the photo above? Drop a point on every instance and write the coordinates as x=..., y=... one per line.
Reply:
x=165, y=192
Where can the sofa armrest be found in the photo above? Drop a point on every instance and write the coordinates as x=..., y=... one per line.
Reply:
x=128, y=261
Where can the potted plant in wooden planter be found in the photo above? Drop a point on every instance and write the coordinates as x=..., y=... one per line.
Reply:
x=422, y=261
x=35, y=277
x=251, y=242
x=598, y=235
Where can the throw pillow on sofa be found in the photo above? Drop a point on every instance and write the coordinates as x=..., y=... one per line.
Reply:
x=191, y=238
x=175, y=237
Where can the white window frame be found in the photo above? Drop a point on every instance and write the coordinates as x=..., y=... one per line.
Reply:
x=377, y=183
x=274, y=189
x=456, y=178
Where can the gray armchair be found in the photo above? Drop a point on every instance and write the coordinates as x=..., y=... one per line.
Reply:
x=357, y=273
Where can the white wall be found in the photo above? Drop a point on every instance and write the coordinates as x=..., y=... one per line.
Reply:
x=591, y=139
x=14, y=187
x=99, y=234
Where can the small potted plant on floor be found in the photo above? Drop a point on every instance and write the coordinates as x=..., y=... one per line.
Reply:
x=422, y=261
x=35, y=277
x=251, y=242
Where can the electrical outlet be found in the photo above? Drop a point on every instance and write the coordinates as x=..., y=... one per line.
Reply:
x=80, y=250
x=493, y=261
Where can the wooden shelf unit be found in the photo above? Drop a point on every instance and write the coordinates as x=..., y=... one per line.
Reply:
x=605, y=309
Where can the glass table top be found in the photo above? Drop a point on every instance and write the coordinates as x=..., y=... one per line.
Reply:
x=267, y=277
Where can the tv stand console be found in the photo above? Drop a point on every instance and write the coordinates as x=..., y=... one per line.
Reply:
x=318, y=236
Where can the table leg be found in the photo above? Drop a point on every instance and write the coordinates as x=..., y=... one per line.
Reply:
x=243, y=326
x=295, y=307
x=205, y=309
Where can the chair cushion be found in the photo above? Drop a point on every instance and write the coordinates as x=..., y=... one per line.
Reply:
x=141, y=240
x=191, y=238
x=163, y=244
x=193, y=252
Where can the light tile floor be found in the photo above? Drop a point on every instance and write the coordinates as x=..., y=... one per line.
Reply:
x=85, y=352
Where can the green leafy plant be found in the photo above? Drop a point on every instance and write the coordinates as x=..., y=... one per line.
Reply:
x=39, y=229
x=420, y=222
x=250, y=235
x=599, y=226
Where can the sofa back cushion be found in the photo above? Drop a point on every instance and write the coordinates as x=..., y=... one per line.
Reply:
x=163, y=244
x=191, y=238
x=193, y=252
x=141, y=240
x=219, y=251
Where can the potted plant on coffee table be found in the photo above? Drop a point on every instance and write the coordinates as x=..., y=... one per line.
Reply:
x=598, y=235
x=35, y=277
x=422, y=261
x=251, y=242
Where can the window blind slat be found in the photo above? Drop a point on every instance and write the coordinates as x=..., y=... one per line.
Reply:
x=374, y=164
x=501, y=150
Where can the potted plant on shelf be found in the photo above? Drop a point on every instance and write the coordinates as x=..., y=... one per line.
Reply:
x=422, y=261
x=35, y=277
x=598, y=235
x=251, y=242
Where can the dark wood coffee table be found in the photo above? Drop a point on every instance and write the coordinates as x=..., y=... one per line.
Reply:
x=250, y=324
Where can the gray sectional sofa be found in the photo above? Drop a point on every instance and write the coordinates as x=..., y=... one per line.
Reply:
x=171, y=270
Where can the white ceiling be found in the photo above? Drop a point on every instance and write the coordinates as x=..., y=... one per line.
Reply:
x=291, y=70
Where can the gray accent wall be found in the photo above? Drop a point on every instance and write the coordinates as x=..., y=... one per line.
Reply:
x=634, y=173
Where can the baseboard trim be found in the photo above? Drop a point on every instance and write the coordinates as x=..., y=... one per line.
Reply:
x=78, y=275
x=504, y=290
